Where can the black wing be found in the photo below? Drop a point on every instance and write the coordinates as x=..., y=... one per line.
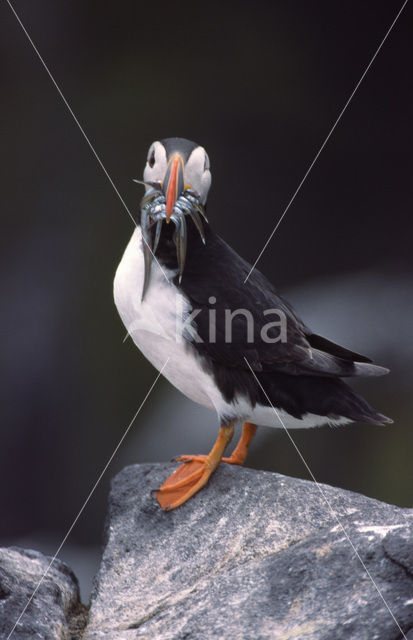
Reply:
x=213, y=281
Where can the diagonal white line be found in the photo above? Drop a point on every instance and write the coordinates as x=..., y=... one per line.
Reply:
x=333, y=513
x=49, y=73
x=71, y=111
x=326, y=140
x=87, y=499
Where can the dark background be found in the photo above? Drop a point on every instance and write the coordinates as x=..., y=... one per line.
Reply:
x=260, y=86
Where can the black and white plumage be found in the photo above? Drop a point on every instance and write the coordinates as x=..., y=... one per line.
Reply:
x=301, y=377
x=181, y=293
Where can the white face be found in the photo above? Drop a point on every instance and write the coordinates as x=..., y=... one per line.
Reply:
x=197, y=173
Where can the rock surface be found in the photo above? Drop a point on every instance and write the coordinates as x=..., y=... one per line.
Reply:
x=254, y=556
x=54, y=613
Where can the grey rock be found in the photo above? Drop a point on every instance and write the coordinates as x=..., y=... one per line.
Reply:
x=54, y=613
x=254, y=556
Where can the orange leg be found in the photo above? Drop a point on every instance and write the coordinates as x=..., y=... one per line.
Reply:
x=191, y=476
x=240, y=452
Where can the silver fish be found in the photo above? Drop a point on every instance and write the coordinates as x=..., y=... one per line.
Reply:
x=153, y=211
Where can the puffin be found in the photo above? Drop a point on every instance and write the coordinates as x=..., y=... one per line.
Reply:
x=219, y=332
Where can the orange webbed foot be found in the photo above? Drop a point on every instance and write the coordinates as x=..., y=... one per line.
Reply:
x=193, y=474
x=195, y=471
x=184, y=482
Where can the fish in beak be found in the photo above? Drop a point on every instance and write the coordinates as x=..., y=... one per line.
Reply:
x=168, y=200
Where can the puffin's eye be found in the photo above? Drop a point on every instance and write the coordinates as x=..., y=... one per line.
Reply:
x=151, y=159
x=206, y=165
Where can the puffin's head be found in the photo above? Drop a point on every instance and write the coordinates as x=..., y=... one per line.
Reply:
x=177, y=178
x=178, y=164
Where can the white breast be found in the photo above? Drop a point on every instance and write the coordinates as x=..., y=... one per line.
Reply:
x=154, y=327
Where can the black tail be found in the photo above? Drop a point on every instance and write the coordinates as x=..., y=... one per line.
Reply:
x=353, y=406
x=323, y=396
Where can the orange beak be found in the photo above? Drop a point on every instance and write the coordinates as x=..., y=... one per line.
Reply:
x=173, y=183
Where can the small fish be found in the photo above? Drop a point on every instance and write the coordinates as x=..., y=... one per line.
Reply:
x=153, y=211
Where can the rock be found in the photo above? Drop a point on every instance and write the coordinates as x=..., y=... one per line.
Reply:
x=254, y=556
x=54, y=613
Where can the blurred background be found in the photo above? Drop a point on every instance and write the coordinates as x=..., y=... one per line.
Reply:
x=260, y=86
